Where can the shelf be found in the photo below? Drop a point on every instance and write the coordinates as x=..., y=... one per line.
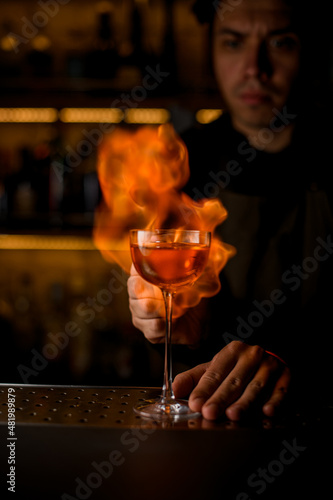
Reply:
x=49, y=242
x=98, y=115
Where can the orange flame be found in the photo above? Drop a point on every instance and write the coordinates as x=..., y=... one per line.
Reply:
x=141, y=174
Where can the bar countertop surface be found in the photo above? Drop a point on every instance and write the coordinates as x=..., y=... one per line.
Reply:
x=80, y=442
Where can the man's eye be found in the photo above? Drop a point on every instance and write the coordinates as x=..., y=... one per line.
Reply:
x=231, y=44
x=287, y=43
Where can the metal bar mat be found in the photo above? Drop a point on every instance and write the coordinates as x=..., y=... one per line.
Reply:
x=74, y=405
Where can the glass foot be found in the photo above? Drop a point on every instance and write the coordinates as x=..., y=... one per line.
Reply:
x=160, y=409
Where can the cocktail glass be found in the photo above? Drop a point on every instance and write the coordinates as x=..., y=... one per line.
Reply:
x=170, y=259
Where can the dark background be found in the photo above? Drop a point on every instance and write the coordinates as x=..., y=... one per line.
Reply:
x=84, y=54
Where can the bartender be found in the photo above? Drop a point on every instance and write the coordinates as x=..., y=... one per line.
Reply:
x=265, y=335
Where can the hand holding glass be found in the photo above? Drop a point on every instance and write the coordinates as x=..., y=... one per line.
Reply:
x=169, y=259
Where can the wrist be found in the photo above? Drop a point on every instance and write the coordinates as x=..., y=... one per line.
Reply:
x=276, y=356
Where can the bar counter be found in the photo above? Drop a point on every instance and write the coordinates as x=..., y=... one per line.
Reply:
x=65, y=442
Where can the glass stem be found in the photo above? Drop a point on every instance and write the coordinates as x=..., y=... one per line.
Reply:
x=167, y=392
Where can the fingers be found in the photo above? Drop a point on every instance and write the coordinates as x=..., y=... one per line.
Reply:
x=257, y=388
x=147, y=307
x=139, y=288
x=185, y=382
x=238, y=378
x=226, y=379
x=279, y=393
x=145, y=301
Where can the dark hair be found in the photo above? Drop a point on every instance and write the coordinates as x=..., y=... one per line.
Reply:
x=205, y=10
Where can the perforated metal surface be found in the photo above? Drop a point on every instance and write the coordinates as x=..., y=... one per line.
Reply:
x=74, y=405
x=103, y=407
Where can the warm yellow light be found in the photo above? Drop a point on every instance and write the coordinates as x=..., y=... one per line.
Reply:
x=8, y=43
x=208, y=115
x=104, y=6
x=41, y=42
x=36, y=242
x=147, y=115
x=91, y=115
x=28, y=115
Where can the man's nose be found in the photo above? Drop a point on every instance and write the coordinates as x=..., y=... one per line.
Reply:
x=257, y=64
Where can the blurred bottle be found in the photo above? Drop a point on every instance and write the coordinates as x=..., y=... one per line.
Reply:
x=40, y=56
x=10, y=55
x=21, y=197
x=75, y=55
x=80, y=344
x=42, y=166
x=103, y=60
x=168, y=56
x=5, y=169
x=26, y=322
x=138, y=56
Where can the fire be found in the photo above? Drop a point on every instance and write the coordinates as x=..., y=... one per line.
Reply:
x=141, y=175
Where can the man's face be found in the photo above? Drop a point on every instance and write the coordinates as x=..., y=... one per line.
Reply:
x=256, y=58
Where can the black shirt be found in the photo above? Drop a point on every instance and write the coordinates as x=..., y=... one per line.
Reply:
x=277, y=290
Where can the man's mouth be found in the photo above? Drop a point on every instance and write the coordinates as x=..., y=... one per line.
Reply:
x=254, y=98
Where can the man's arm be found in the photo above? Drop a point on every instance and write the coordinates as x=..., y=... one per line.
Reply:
x=239, y=376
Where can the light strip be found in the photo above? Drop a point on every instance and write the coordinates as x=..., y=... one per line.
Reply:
x=147, y=115
x=91, y=115
x=207, y=115
x=28, y=115
x=98, y=115
x=37, y=242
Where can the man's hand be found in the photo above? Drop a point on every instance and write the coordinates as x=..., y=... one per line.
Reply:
x=147, y=307
x=238, y=377
x=148, y=314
